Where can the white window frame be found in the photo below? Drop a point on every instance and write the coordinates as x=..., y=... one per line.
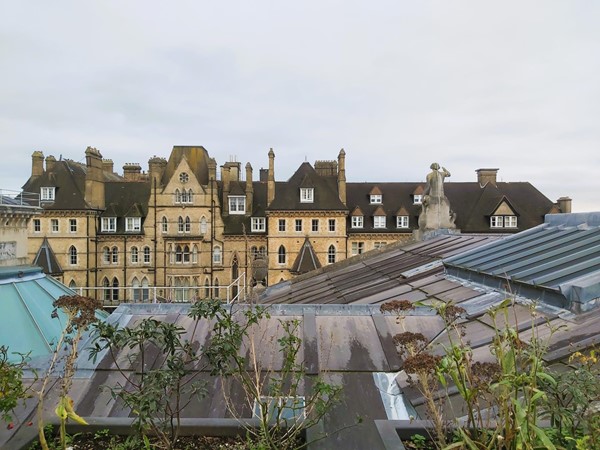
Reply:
x=237, y=204
x=281, y=225
x=331, y=225
x=146, y=255
x=314, y=222
x=417, y=199
x=298, y=225
x=217, y=255
x=376, y=199
x=358, y=221
x=134, y=253
x=47, y=194
x=331, y=254
x=510, y=221
x=72, y=225
x=401, y=221
x=379, y=221
x=54, y=226
x=307, y=195
x=108, y=224
x=379, y=244
x=37, y=226
x=164, y=224
x=133, y=224
x=258, y=224
x=496, y=221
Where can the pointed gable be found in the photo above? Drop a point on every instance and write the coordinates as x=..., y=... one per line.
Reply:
x=197, y=159
x=306, y=260
x=46, y=259
x=402, y=211
x=504, y=209
x=419, y=190
x=357, y=212
x=375, y=191
x=379, y=211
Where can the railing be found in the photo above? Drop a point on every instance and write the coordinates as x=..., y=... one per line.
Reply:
x=113, y=296
x=19, y=198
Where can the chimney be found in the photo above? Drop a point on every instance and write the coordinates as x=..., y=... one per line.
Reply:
x=263, y=175
x=156, y=166
x=212, y=180
x=132, y=171
x=37, y=164
x=94, y=179
x=249, y=189
x=326, y=168
x=50, y=163
x=226, y=181
x=271, y=178
x=485, y=176
x=342, y=176
x=108, y=166
x=564, y=203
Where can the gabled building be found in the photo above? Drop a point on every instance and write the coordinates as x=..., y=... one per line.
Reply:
x=180, y=231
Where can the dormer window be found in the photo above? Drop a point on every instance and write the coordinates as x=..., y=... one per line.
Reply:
x=378, y=221
x=237, y=204
x=47, y=193
x=357, y=221
x=258, y=224
x=417, y=199
x=133, y=223
x=109, y=224
x=503, y=221
x=402, y=222
x=307, y=195
x=376, y=199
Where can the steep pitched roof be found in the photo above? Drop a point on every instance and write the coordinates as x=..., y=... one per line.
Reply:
x=197, y=158
x=326, y=197
x=126, y=199
x=306, y=260
x=46, y=259
x=237, y=224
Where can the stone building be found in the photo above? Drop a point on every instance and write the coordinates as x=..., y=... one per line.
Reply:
x=180, y=224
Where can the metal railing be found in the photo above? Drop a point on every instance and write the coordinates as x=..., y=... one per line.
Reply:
x=19, y=198
x=113, y=296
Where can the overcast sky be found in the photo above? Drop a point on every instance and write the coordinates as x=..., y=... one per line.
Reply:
x=399, y=84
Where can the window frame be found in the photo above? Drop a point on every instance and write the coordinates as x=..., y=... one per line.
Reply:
x=133, y=224
x=376, y=199
x=258, y=224
x=217, y=256
x=402, y=222
x=331, y=254
x=72, y=225
x=147, y=258
x=417, y=199
x=379, y=222
x=298, y=225
x=358, y=222
x=47, y=193
x=360, y=248
x=37, y=225
x=281, y=255
x=54, y=226
x=134, y=255
x=314, y=225
x=307, y=195
x=108, y=224
x=237, y=204
x=281, y=225
x=72, y=256
x=331, y=225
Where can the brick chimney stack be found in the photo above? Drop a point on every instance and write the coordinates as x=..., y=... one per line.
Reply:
x=108, y=166
x=342, y=176
x=225, y=179
x=94, y=179
x=50, y=163
x=271, y=178
x=37, y=164
x=485, y=176
x=156, y=167
x=249, y=189
x=132, y=171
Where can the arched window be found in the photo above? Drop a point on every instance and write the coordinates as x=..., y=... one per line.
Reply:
x=180, y=224
x=190, y=196
x=331, y=254
x=217, y=255
x=72, y=285
x=165, y=225
x=188, y=225
x=186, y=254
x=115, y=255
x=178, y=254
x=171, y=254
x=145, y=290
x=195, y=254
x=254, y=252
x=106, y=255
x=115, y=291
x=177, y=196
x=146, y=255
x=207, y=288
x=262, y=251
x=281, y=255
x=134, y=255
x=106, y=292
x=72, y=255
x=203, y=225
x=216, y=288
x=136, y=289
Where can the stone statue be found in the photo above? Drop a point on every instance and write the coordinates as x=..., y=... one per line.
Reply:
x=435, y=212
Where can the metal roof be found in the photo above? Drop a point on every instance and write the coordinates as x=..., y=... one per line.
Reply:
x=557, y=262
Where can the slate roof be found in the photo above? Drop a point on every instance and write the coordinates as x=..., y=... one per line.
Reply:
x=306, y=260
x=237, y=224
x=472, y=204
x=197, y=158
x=46, y=259
x=326, y=197
x=69, y=179
x=126, y=199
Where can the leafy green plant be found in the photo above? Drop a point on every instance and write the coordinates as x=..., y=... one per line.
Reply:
x=12, y=389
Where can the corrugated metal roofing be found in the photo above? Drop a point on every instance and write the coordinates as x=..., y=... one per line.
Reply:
x=560, y=259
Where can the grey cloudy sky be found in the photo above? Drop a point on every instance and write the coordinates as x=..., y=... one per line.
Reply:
x=398, y=85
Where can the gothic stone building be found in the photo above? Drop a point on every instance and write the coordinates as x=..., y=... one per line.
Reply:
x=181, y=225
